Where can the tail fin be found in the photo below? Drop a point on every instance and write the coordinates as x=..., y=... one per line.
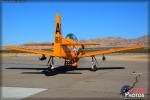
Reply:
x=58, y=24
x=57, y=36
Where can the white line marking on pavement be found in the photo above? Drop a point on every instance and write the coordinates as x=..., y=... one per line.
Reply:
x=18, y=92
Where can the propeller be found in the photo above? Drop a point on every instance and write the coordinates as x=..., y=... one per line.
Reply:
x=82, y=46
x=81, y=50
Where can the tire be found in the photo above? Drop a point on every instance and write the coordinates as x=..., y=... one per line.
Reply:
x=94, y=68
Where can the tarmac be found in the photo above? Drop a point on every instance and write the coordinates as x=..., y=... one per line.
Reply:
x=24, y=77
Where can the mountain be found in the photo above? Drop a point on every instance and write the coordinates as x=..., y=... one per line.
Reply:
x=118, y=42
x=104, y=42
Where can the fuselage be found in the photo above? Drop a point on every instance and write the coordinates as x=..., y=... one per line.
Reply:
x=69, y=51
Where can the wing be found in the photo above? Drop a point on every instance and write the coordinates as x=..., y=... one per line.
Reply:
x=109, y=51
x=39, y=44
x=79, y=44
x=29, y=50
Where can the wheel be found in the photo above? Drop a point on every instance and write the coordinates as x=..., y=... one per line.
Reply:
x=94, y=68
x=50, y=68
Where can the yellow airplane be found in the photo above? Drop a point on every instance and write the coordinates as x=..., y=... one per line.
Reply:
x=70, y=49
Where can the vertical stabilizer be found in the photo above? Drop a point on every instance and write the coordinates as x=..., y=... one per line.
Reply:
x=57, y=36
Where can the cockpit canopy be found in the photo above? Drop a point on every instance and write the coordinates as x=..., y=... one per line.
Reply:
x=71, y=36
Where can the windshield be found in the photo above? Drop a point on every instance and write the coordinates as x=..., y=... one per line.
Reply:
x=72, y=37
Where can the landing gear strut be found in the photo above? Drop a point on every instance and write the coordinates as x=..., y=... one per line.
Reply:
x=50, y=63
x=94, y=62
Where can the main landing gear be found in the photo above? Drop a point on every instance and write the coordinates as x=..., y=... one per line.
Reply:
x=50, y=63
x=94, y=63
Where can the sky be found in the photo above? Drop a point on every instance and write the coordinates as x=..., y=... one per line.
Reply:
x=35, y=21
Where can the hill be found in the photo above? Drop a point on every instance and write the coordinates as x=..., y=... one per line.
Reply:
x=119, y=42
x=104, y=42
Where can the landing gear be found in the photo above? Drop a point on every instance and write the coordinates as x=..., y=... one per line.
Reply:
x=93, y=68
x=94, y=62
x=50, y=63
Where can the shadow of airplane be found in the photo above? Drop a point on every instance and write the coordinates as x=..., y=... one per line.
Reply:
x=61, y=70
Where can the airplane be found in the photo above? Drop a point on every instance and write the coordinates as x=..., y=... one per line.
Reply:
x=69, y=49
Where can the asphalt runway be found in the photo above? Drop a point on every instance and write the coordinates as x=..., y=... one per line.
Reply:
x=24, y=77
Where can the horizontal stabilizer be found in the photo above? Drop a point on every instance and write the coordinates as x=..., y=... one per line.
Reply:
x=39, y=44
x=79, y=44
